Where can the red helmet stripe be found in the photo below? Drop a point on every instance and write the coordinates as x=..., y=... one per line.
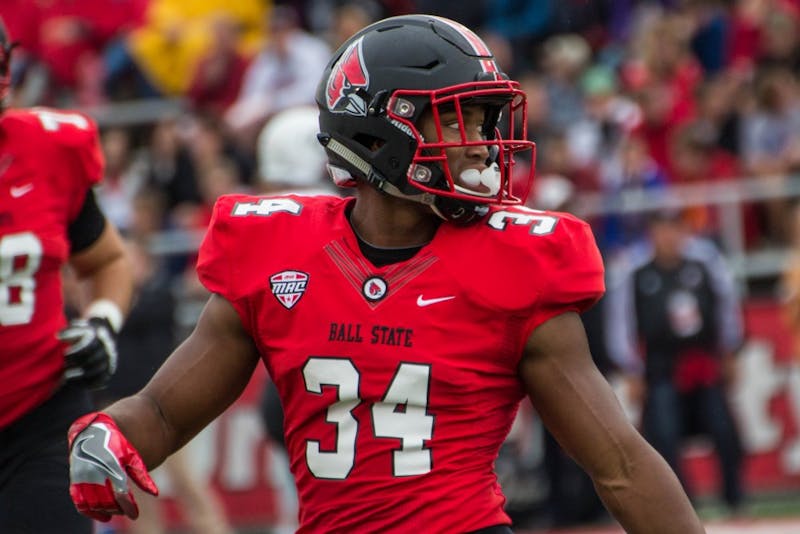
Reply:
x=477, y=44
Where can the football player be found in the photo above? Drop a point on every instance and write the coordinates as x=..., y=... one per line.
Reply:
x=403, y=326
x=49, y=161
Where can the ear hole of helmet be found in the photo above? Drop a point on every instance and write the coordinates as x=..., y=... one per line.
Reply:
x=370, y=142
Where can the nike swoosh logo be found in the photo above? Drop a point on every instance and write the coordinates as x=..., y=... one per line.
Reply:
x=88, y=456
x=422, y=302
x=21, y=190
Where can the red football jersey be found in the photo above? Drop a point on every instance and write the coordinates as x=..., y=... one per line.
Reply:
x=399, y=383
x=48, y=160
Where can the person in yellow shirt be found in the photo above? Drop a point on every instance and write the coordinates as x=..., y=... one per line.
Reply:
x=166, y=49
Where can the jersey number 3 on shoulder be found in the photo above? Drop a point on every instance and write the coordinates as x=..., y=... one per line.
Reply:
x=539, y=222
x=411, y=425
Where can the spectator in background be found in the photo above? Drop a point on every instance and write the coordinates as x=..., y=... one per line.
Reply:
x=720, y=106
x=217, y=178
x=349, y=17
x=149, y=209
x=771, y=132
x=217, y=78
x=68, y=38
x=124, y=177
x=696, y=159
x=201, y=164
x=553, y=153
x=29, y=76
x=556, y=159
x=631, y=171
x=779, y=42
x=169, y=165
x=771, y=145
x=710, y=27
x=746, y=28
x=674, y=297
x=524, y=24
x=564, y=61
x=161, y=54
x=662, y=74
x=607, y=118
x=283, y=74
x=208, y=141
x=540, y=129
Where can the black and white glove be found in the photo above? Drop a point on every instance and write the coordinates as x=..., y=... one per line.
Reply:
x=91, y=353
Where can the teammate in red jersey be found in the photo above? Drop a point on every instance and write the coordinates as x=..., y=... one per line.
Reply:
x=403, y=326
x=49, y=160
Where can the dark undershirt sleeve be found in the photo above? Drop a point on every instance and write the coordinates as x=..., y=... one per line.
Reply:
x=87, y=226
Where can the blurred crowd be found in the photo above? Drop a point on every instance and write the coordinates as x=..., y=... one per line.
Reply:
x=626, y=97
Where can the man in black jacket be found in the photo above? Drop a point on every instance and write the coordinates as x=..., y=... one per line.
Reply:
x=673, y=324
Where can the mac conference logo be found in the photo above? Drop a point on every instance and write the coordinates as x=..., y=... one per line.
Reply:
x=288, y=287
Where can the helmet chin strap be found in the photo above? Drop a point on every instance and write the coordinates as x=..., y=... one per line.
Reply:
x=453, y=210
x=389, y=188
x=447, y=209
x=459, y=212
x=373, y=177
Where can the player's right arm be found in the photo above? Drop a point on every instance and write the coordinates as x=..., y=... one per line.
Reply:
x=576, y=403
x=580, y=409
x=199, y=380
x=209, y=370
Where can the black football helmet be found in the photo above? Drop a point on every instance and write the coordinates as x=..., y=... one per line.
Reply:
x=5, y=62
x=380, y=82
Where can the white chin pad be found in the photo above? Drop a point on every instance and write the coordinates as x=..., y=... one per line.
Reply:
x=471, y=177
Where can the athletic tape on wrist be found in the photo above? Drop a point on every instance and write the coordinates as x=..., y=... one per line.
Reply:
x=107, y=309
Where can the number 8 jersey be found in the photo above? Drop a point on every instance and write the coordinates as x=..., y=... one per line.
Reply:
x=399, y=383
x=48, y=160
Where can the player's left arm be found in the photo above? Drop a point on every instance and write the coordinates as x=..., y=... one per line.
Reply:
x=101, y=264
x=579, y=408
x=105, y=267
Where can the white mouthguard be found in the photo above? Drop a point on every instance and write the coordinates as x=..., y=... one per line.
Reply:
x=490, y=177
x=471, y=177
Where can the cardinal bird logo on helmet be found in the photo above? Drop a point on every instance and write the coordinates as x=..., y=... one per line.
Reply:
x=348, y=75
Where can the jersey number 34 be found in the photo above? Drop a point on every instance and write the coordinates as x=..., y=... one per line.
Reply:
x=412, y=425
